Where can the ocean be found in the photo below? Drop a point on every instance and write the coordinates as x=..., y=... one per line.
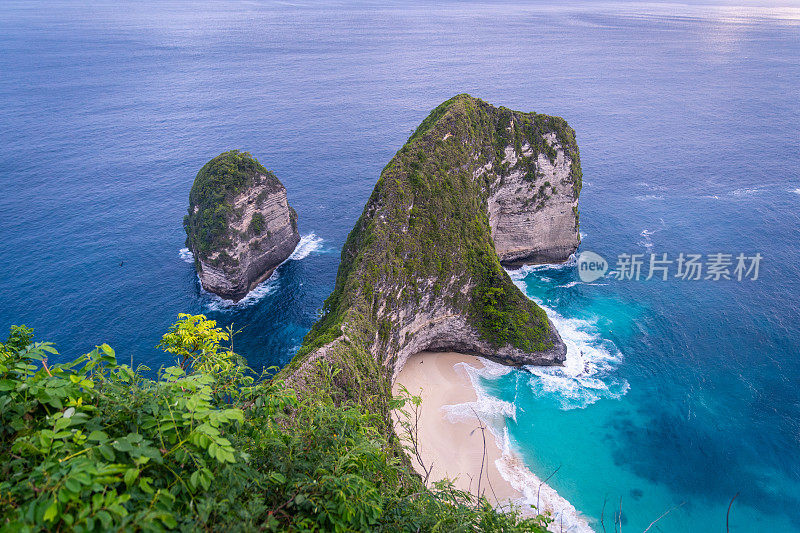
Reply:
x=678, y=395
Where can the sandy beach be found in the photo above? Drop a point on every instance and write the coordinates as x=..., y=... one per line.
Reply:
x=454, y=449
x=451, y=442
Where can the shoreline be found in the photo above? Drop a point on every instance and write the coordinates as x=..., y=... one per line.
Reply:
x=451, y=443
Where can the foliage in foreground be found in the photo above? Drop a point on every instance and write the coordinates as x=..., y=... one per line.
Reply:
x=93, y=445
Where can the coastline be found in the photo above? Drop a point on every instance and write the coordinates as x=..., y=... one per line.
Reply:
x=451, y=443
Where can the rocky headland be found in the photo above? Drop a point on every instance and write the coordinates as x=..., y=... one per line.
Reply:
x=474, y=188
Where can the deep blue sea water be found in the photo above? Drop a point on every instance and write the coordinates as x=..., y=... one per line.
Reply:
x=688, y=121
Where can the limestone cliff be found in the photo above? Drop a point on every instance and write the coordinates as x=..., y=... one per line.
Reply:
x=473, y=186
x=240, y=226
x=533, y=209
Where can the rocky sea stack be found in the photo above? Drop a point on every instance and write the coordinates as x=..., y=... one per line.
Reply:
x=475, y=187
x=240, y=226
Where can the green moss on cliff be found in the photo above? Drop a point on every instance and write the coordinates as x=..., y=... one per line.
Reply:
x=210, y=201
x=257, y=224
x=427, y=220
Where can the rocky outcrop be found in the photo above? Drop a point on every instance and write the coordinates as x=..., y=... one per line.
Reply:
x=534, y=213
x=240, y=226
x=474, y=185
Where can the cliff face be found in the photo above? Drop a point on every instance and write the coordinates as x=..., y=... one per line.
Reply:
x=240, y=226
x=421, y=270
x=533, y=208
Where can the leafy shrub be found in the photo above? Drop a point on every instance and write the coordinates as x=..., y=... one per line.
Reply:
x=94, y=445
x=257, y=224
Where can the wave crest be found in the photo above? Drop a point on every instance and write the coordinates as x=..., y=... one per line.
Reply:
x=519, y=274
x=494, y=412
x=585, y=377
x=308, y=244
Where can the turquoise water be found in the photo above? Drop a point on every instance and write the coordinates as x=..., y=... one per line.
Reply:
x=687, y=119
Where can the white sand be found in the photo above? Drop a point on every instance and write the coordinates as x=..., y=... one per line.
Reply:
x=453, y=448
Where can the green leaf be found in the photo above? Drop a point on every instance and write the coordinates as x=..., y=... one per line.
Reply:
x=123, y=445
x=105, y=518
x=206, y=478
x=130, y=476
x=98, y=436
x=106, y=452
x=61, y=424
x=107, y=349
x=73, y=485
x=168, y=520
x=51, y=513
x=144, y=484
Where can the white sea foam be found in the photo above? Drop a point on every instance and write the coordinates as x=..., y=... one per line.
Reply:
x=645, y=197
x=308, y=244
x=186, y=255
x=652, y=187
x=586, y=376
x=647, y=242
x=491, y=410
x=494, y=413
x=746, y=191
x=796, y=191
x=647, y=235
x=518, y=274
x=566, y=518
x=218, y=303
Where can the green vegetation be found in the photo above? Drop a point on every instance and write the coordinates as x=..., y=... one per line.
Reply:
x=95, y=445
x=210, y=206
x=257, y=224
x=427, y=220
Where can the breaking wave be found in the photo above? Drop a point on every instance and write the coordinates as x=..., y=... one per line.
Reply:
x=647, y=235
x=747, y=191
x=308, y=244
x=491, y=410
x=186, y=255
x=218, y=303
x=494, y=413
x=587, y=374
x=519, y=274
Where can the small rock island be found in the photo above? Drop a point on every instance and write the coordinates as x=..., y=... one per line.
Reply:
x=240, y=225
